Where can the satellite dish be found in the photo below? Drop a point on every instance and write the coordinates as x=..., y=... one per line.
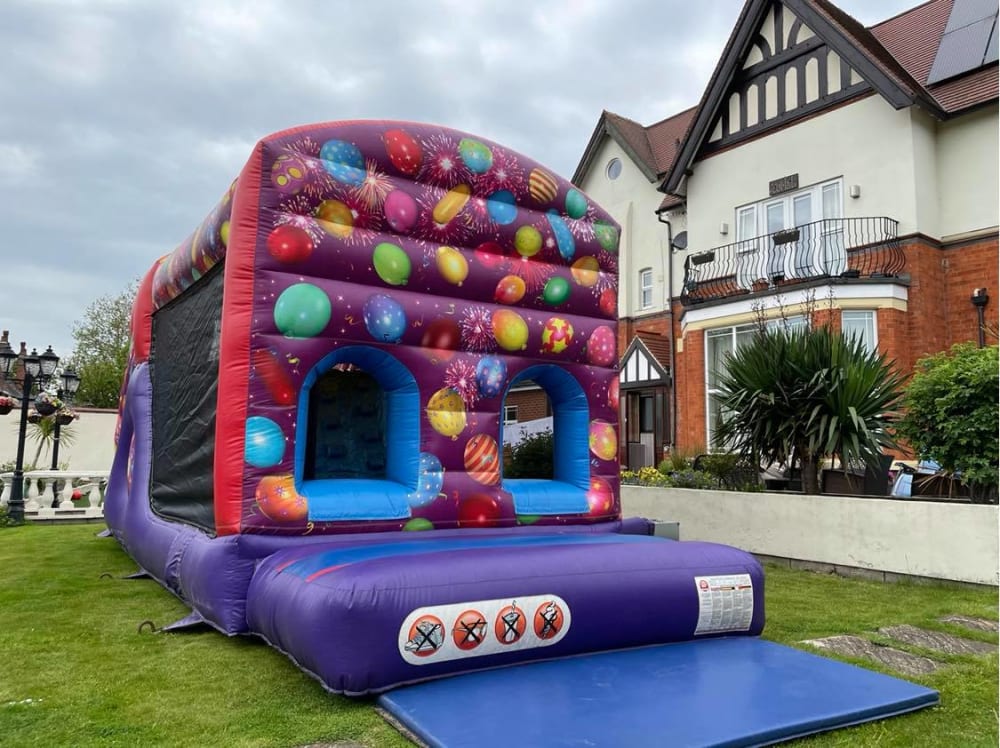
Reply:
x=680, y=242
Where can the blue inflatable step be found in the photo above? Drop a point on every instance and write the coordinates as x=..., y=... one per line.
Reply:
x=739, y=691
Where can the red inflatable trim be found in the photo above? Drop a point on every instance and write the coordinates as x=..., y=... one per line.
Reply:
x=234, y=348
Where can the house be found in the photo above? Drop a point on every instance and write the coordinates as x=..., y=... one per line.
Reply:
x=830, y=169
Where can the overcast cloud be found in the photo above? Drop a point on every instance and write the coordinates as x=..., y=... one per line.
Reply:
x=122, y=123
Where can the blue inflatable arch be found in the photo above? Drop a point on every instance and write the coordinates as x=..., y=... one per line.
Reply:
x=566, y=492
x=381, y=497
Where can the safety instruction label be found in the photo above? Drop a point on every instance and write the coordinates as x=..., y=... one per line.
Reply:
x=482, y=627
x=725, y=603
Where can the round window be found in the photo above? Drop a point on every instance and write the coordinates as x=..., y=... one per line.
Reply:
x=614, y=169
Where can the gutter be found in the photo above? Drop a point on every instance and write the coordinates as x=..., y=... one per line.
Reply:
x=670, y=328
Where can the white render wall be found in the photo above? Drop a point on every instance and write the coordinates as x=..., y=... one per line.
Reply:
x=868, y=143
x=632, y=200
x=93, y=445
x=949, y=541
x=967, y=158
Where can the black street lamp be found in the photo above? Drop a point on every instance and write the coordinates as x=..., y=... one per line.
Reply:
x=70, y=384
x=37, y=370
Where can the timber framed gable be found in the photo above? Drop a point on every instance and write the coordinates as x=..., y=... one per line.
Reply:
x=785, y=60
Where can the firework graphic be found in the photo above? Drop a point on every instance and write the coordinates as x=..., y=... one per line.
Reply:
x=443, y=166
x=299, y=211
x=533, y=273
x=461, y=377
x=477, y=330
x=505, y=174
x=582, y=229
x=607, y=273
x=376, y=185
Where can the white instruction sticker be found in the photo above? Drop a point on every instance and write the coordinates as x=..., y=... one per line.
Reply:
x=725, y=603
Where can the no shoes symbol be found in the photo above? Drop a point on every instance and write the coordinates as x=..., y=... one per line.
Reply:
x=510, y=624
x=426, y=636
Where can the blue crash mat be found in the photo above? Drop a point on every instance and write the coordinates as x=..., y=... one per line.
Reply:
x=738, y=691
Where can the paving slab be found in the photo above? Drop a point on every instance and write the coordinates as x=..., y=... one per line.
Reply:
x=856, y=646
x=976, y=624
x=939, y=642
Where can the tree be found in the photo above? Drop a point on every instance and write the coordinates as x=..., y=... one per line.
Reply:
x=801, y=395
x=102, y=343
x=532, y=457
x=952, y=413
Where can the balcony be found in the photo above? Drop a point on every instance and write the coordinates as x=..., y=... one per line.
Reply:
x=832, y=248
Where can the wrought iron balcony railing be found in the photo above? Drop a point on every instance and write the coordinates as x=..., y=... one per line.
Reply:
x=831, y=248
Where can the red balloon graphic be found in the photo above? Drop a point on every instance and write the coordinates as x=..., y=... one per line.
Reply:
x=443, y=334
x=275, y=376
x=600, y=498
x=479, y=510
x=608, y=302
x=289, y=244
x=490, y=255
x=404, y=151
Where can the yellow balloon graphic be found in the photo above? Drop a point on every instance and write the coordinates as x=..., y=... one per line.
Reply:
x=335, y=218
x=224, y=233
x=452, y=265
x=446, y=412
x=585, y=271
x=451, y=204
x=510, y=330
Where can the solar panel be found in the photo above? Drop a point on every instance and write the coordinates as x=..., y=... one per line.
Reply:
x=964, y=12
x=969, y=40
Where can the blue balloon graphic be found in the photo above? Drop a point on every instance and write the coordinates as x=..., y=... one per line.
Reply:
x=475, y=155
x=491, y=376
x=564, y=239
x=343, y=161
x=430, y=482
x=265, y=442
x=384, y=318
x=500, y=205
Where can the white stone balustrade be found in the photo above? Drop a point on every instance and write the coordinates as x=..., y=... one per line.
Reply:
x=41, y=501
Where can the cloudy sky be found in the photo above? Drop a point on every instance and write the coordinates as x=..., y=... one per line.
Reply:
x=123, y=121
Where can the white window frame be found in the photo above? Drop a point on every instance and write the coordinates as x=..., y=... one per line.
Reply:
x=646, y=288
x=789, y=323
x=821, y=252
x=509, y=414
x=868, y=318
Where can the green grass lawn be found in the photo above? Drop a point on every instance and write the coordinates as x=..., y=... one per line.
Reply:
x=69, y=643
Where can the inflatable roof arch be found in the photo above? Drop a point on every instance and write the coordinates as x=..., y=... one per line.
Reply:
x=412, y=272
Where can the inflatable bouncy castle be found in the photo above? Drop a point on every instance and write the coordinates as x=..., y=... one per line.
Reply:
x=310, y=440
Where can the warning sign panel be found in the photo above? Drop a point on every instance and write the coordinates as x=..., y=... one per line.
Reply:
x=482, y=627
x=725, y=603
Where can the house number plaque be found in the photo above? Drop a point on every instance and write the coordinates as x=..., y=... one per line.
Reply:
x=783, y=184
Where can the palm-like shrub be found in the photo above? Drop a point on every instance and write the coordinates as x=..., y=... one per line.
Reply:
x=804, y=394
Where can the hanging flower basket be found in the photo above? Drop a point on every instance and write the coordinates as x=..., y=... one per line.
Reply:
x=66, y=416
x=47, y=404
x=6, y=405
x=34, y=416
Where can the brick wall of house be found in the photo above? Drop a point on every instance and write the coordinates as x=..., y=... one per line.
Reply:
x=939, y=314
x=966, y=268
x=531, y=404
